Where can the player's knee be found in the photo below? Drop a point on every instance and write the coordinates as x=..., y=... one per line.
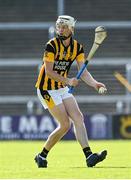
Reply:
x=79, y=119
x=80, y=116
x=65, y=126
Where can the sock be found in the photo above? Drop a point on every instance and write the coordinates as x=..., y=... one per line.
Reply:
x=87, y=151
x=44, y=153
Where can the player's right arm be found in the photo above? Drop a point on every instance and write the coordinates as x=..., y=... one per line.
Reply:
x=49, y=57
x=57, y=77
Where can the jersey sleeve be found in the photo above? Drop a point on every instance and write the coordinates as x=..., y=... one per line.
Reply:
x=80, y=54
x=49, y=53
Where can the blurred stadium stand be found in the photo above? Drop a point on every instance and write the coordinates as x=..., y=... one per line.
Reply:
x=24, y=30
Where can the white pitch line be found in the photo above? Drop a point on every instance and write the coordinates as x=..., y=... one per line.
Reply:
x=64, y=179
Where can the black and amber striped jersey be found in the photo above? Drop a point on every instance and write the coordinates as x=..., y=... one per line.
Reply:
x=62, y=57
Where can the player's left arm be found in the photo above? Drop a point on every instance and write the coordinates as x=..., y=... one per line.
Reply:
x=89, y=80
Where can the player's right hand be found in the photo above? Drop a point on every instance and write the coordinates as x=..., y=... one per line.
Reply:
x=72, y=81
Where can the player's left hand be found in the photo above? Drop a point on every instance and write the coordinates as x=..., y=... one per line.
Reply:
x=101, y=88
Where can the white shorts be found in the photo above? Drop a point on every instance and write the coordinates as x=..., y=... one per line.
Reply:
x=51, y=98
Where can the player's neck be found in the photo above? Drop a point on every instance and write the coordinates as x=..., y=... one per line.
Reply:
x=66, y=42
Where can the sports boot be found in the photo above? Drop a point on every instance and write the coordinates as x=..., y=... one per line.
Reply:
x=41, y=162
x=95, y=158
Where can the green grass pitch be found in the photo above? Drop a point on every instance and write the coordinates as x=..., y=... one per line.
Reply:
x=65, y=161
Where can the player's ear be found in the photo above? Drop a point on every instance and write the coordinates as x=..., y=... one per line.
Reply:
x=72, y=29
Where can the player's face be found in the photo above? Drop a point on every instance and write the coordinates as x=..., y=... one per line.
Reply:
x=63, y=30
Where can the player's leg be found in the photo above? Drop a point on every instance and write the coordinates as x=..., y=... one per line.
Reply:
x=59, y=113
x=78, y=121
x=75, y=114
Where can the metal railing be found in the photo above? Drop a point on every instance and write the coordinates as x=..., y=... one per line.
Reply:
x=79, y=25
